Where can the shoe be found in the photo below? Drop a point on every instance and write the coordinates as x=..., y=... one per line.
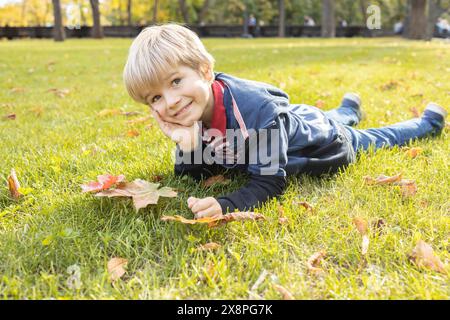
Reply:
x=354, y=102
x=434, y=107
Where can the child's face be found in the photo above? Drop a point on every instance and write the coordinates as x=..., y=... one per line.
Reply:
x=183, y=97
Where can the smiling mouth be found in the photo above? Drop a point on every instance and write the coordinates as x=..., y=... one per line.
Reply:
x=183, y=110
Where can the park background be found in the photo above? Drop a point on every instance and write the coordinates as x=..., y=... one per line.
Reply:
x=66, y=118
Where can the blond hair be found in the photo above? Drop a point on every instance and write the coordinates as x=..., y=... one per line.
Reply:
x=155, y=50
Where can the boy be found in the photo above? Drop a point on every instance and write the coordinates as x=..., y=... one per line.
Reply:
x=220, y=121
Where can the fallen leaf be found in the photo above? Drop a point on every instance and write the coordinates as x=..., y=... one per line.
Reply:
x=109, y=112
x=11, y=116
x=59, y=92
x=313, y=263
x=191, y=221
x=218, y=219
x=423, y=256
x=382, y=179
x=133, y=133
x=305, y=205
x=209, y=246
x=282, y=219
x=142, y=192
x=131, y=113
x=286, y=294
x=391, y=85
x=37, y=111
x=104, y=182
x=116, y=268
x=139, y=120
x=320, y=104
x=14, y=185
x=361, y=225
x=415, y=112
x=219, y=179
x=408, y=188
x=17, y=90
x=414, y=152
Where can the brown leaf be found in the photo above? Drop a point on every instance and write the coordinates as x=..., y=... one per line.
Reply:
x=115, y=268
x=408, y=188
x=306, y=205
x=313, y=263
x=361, y=225
x=14, y=185
x=131, y=113
x=139, y=120
x=191, y=221
x=414, y=152
x=219, y=179
x=282, y=219
x=59, y=92
x=209, y=246
x=218, y=219
x=109, y=112
x=382, y=179
x=320, y=104
x=133, y=133
x=423, y=256
x=415, y=112
x=17, y=90
x=286, y=294
x=142, y=192
x=11, y=116
x=391, y=85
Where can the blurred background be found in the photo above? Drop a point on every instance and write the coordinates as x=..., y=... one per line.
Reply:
x=415, y=19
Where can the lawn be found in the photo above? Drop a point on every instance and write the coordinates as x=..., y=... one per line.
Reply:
x=58, y=141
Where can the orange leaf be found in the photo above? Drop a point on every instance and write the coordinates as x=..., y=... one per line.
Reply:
x=414, y=152
x=191, y=221
x=218, y=219
x=115, y=268
x=408, y=187
x=361, y=225
x=132, y=133
x=382, y=179
x=13, y=184
x=209, y=246
x=109, y=112
x=320, y=104
x=306, y=205
x=286, y=294
x=17, y=90
x=313, y=262
x=104, y=182
x=219, y=179
x=424, y=257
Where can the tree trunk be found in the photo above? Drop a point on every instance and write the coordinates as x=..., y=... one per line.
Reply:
x=434, y=12
x=203, y=12
x=129, y=4
x=97, y=30
x=184, y=11
x=328, y=24
x=155, y=12
x=281, y=19
x=58, y=28
x=363, y=7
x=417, y=19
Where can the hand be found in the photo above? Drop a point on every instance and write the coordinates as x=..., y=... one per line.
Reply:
x=185, y=137
x=206, y=207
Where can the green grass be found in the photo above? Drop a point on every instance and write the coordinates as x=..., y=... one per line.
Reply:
x=55, y=226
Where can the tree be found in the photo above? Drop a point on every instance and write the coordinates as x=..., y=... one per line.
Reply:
x=435, y=10
x=155, y=12
x=129, y=5
x=417, y=20
x=281, y=19
x=97, y=30
x=328, y=23
x=184, y=10
x=203, y=11
x=58, y=28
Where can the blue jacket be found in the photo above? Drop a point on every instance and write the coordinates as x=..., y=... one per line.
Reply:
x=306, y=141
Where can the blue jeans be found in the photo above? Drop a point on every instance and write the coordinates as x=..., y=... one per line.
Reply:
x=399, y=134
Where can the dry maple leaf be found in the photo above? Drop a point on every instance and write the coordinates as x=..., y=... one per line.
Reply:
x=286, y=294
x=306, y=205
x=191, y=221
x=423, y=256
x=142, y=192
x=219, y=179
x=361, y=225
x=104, y=182
x=382, y=179
x=133, y=133
x=209, y=246
x=218, y=219
x=115, y=268
x=414, y=152
x=14, y=185
x=313, y=262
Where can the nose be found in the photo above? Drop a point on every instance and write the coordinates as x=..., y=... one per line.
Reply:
x=172, y=101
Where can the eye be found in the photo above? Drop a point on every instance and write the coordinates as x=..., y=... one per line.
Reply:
x=155, y=99
x=176, y=81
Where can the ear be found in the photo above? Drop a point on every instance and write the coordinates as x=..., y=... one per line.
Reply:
x=207, y=73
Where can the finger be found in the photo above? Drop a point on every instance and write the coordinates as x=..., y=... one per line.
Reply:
x=210, y=212
x=201, y=204
x=191, y=201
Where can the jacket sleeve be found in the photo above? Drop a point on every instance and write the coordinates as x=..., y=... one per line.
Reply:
x=267, y=157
